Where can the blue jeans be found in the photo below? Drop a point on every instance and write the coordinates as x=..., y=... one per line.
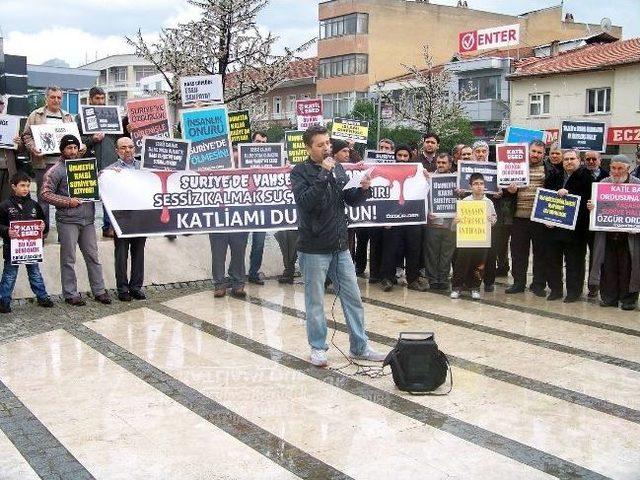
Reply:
x=340, y=269
x=106, y=221
x=257, y=249
x=9, y=276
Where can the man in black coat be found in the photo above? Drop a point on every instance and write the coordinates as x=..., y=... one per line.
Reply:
x=570, y=245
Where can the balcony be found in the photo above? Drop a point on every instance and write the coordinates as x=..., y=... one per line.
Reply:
x=485, y=110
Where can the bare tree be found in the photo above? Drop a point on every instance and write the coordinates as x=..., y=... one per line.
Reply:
x=426, y=100
x=225, y=40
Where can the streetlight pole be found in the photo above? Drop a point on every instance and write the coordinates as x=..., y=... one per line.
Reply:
x=379, y=85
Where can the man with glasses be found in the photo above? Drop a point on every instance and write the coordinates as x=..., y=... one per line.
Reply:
x=592, y=162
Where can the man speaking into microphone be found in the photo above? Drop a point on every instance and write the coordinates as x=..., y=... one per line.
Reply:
x=323, y=247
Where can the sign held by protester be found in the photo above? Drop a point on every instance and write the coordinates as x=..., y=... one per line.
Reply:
x=260, y=155
x=442, y=195
x=494, y=37
x=201, y=88
x=550, y=208
x=240, y=127
x=100, y=119
x=82, y=178
x=27, y=247
x=148, y=117
x=159, y=153
x=583, y=135
x=208, y=130
x=354, y=130
x=523, y=135
x=9, y=129
x=489, y=171
x=473, y=228
x=296, y=150
x=513, y=164
x=375, y=156
x=47, y=136
x=551, y=136
x=617, y=207
x=309, y=112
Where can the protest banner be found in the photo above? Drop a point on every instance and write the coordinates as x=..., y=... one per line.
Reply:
x=473, y=229
x=398, y=194
x=442, y=195
x=488, y=169
x=47, y=136
x=513, y=164
x=100, y=119
x=551, y=136
x=208, y=130
x=374, y=156
x=523, y=135
x=295, y=148
x=159, y=153
x=356, y=130
x=617, y=207
x=148, y=117
x=239, y=127
x=27, y=247
x=82, y=178
x=583, y=135
x=551, y=209
x=9, y=129
x=623, y=135
x=260, y=155
x=201, y=88
x=309, y=112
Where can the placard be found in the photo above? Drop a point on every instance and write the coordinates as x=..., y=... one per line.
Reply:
x=309, y=112
x=201, y=88
x=100, y=119
x=47, y=136
x=9, y=129
x=82, y=178
x=240, y=127
x=523, y=135
x=583, y=136
x=473, y=228
x=294, y=146
x=356, y=130
x=552, y=209
x=208, y=130
x=260, y=155
x=513, y=164
x=148, y=117
x=442, y=195
x=617, y=207
x=27, y=247
x=376, y=156
x=159, y=153
x=488, y=169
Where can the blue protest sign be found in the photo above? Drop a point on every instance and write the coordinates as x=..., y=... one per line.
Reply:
x=208, y=130
x=522, y=135
x=551, y=209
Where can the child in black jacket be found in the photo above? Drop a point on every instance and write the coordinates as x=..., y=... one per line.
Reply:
x=20, y=206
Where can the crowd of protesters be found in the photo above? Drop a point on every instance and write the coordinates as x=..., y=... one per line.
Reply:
x=420, y=257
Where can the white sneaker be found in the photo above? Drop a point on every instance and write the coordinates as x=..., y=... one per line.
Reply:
x=319, y=358
x=454, y=294
x=475, y=294
x=369, y=354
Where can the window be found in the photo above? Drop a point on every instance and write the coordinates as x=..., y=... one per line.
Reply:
x=340, y=104
x=144, y=71
x=599, y=100
x=480, y=88
x=539, y=104
x=277, y=105
x=291, y=104
x=355, y=64
x=351, y=24
x=118, y=74
x=102, y=79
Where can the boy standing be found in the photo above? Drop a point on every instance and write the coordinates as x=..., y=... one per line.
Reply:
x=20, y=206
x=468, y=269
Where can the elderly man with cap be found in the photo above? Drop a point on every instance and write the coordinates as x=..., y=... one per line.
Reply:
x=74, y=221
x=616, y=255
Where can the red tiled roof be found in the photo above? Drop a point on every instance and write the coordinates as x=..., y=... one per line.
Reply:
x=597, y=56
x=307, y=67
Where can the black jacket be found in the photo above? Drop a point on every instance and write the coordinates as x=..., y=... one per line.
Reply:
x=320, y=198
x=579, y=183
x=18, y=208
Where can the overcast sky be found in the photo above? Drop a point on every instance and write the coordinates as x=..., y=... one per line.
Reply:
x=81, y=30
